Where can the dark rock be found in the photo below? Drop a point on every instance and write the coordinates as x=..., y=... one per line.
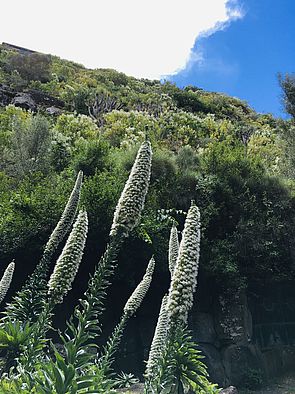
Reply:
x=53, y=111
x=34, y=99
x=6, y=95
x=25, y=101
x=229, y=390
x=233, y=321
x=202, y=325
x=30, y=100
x=215, y=366
x=240, y=362
x=45, y=100
x=278, y=360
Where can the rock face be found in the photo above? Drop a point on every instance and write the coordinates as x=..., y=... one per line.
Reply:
x=30, y=100
x=6, y=95
x=45, y=100
x=245, y=338
x=225, y=335
x=25, y=101
x=241, y=349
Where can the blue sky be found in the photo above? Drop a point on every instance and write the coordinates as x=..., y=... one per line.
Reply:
x=243, y=59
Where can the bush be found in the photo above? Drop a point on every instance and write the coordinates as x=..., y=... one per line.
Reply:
x=31, y=67
x=29, y=148
x=91, y=156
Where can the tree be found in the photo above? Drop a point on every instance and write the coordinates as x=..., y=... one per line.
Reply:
x=287, y=83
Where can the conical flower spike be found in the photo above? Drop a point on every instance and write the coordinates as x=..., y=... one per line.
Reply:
x=6, y=280
x=159, y=339
x=184, y=279
x=173, y=249
x=139, y=293
x=66, y=219
x=131, y=202
x=68, y=263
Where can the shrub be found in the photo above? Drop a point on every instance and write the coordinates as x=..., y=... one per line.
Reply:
x=31, y=67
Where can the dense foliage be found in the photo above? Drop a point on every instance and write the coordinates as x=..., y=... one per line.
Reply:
x=236, y=164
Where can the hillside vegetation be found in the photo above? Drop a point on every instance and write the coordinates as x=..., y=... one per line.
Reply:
x=235, y=163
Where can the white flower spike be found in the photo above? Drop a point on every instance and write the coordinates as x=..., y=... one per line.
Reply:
x=173, y=249
x=159, y=339
x=68, y=262
x=6, y=280
x=131, y=202
x=139, y=293
x=184, y=279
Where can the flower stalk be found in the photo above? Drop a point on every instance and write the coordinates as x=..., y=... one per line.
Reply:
x=28, y=303
x=184, y=279
x=139, y=293
x=159, y=340
x=61, y=229
x=6, y=280
x=130, y=308
x=69, y=261
x=173, y=249
x=131, y=202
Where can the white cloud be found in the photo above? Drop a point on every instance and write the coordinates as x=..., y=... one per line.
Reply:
x=143, y=38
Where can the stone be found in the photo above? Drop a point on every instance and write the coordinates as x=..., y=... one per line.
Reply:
x=53, y=111
x=229, y=390
x=43, y=99
x=240, y=362
x=233, y=320
x=202, y=325
x=6, y=95
x=214, y=363
x=25, y=101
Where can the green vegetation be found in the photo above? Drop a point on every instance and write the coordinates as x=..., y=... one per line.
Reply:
x=32, y=363
x=238, y=166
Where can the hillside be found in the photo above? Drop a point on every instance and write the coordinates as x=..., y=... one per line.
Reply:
x=57, y=117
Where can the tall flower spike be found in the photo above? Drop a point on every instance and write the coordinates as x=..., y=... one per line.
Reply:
x=66, y=219
x=139, y=293
x=173, y=248
x=27, y=303
x=184, y=279
x=6, y=280
x=159, y=339
x=131, y=202
x=68, y=262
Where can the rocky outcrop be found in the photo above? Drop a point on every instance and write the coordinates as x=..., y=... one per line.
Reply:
x=245, y=337
x=6, y=95
x=246, y=340
x=45, y=100
x=25, y=101
x=54, y=111
x=32, y=100
x=225, y=336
